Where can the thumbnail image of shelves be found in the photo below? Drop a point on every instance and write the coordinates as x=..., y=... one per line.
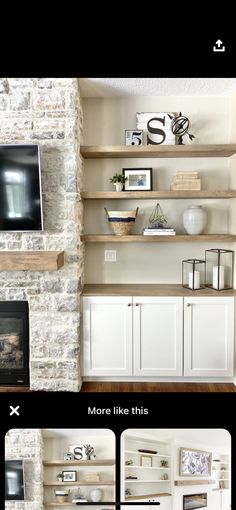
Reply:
x=176, y=469
x=60, y=468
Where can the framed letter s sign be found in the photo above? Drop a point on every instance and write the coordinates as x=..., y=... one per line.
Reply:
x=157, y=127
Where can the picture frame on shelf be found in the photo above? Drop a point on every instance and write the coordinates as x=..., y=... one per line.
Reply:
x=146, y=461
x=137, y=179
x=157, y=127
x=133, y=137
x=69, y=476
x=194, y=462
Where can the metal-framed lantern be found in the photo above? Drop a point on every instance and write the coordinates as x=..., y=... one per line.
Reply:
x=193, y=274
x=219, y=269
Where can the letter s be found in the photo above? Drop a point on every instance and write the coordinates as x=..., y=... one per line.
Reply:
x=156, y=131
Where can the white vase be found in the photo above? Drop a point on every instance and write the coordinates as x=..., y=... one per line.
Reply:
x=119, y=186
x=194, y=220
x=96, y=495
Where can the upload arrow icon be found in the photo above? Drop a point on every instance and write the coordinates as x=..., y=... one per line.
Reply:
x=219, y=46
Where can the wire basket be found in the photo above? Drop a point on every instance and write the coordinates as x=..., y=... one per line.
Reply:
x=121, y=221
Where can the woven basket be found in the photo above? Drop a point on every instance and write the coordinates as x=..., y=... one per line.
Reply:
x=121, y=221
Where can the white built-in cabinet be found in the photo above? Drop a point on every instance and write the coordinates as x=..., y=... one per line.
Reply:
x=107, y=330
x=151, y=481
x=221, y=500
x=158, y=336
x=163, y=503
x=209, y=336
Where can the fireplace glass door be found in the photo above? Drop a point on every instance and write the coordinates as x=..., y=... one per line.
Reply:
x=14, y=343
x=193, y=501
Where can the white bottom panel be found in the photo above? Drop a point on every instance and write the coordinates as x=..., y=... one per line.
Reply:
x=222, y=380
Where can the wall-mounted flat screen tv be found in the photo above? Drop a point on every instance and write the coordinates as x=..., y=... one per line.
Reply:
x=20, y=188
x=14, y=480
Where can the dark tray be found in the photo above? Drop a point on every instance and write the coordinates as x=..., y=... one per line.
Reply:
x=147, y=451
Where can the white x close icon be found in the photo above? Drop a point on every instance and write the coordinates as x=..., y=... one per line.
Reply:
x=14, y=410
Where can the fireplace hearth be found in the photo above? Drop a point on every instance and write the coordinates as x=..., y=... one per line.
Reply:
x=14, y=343
x=194, y=501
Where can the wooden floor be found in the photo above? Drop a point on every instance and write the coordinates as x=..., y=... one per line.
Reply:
x=157, y=387
x=14, y=389
x=125, y=387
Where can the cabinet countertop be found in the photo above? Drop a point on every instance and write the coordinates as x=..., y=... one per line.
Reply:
x=148, y=496
x=149, y=289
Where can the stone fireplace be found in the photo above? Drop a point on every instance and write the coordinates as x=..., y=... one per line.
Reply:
x=47, y=111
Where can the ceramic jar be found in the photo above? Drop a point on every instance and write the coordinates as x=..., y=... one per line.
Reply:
x=96, y=495
x=194, y=219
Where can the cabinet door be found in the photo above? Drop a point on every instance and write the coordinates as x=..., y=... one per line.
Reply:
x=165, y=503
x=162, y=503
x=208, y=336
x=107, y=336
x=158, y=336
x=214, y=500
x=225, y=499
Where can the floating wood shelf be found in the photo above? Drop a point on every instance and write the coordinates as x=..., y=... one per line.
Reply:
x=31, y=260
x=160, y=151
x=118, y=195
x=145, y=467
x=147, y=496
x=127, y=480
x=69, y=503
x=59, y=484
x=194, y=482
x=101, y=462
x=111, y=238
x=146, y=289
x=58, y=504
x=136, y=452
x=87, y=503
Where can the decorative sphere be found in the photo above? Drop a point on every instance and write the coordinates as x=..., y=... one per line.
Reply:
x=180, y=125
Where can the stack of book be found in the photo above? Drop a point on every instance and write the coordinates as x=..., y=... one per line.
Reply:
x=186, y=181
x=92, y=477
x=79, y=500
x=158, y=231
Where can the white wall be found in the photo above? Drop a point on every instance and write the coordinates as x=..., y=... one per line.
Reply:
x=105, y=121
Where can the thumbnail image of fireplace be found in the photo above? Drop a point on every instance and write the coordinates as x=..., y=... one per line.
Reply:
x=192, y=501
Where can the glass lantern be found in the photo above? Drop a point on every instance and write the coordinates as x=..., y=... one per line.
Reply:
x=219, y=269
x=193, y=274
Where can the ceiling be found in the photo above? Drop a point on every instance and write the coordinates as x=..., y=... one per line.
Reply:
x=217, y=439
x=57, y=433
x=121, y=87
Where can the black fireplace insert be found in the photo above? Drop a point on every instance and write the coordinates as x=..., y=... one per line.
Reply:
x=14, y=343
x=192, y=501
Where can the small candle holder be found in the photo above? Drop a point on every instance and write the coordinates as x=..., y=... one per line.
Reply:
x=219, y=269
x=193, y=274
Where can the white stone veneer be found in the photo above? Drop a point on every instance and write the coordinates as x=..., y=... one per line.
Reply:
x=48, y=112
x=27, y=445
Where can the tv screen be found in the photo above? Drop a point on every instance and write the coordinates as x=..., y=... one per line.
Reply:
x=14, y=480
x=20, y=188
